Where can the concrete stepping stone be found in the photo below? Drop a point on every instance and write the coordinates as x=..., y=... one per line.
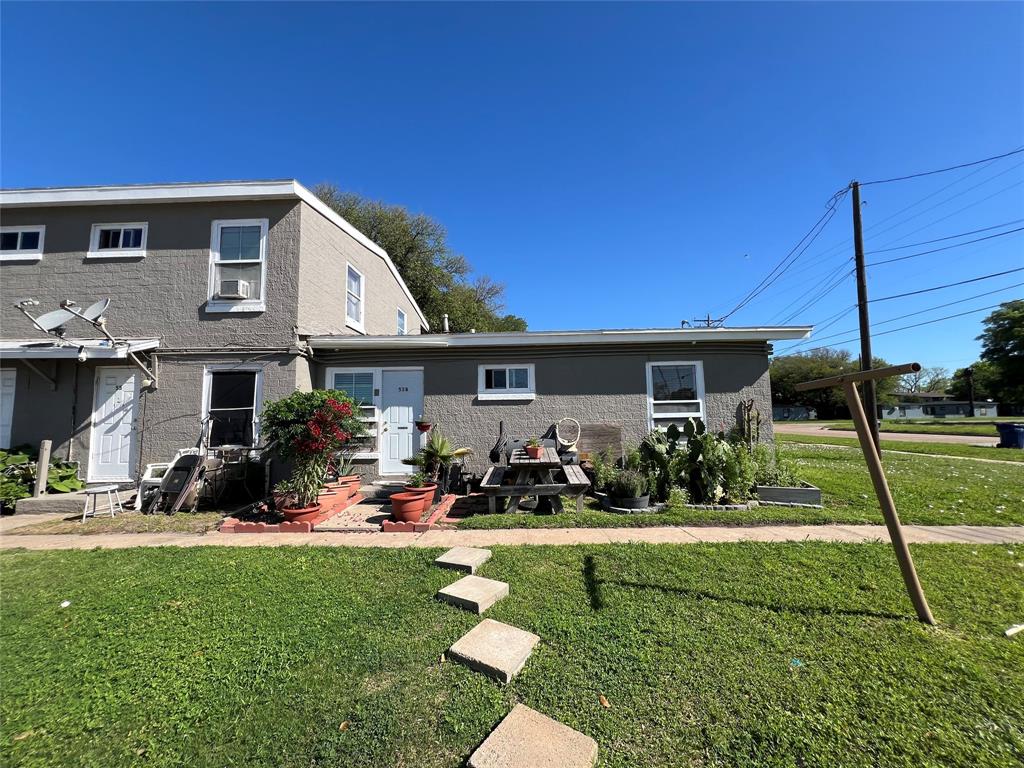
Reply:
x=466, y=559
x=474, y=593
x=528, y=739
x=495, y=649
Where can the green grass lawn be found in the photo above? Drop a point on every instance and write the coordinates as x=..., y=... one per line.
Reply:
x=935, y=449
x=928, y=490
x=985, y=427
x=126, y=522
x=712, y=655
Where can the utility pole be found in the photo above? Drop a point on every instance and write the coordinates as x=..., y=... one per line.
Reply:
x=969, y=375
x=868, y=385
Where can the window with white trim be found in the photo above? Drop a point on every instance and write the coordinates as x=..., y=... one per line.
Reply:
x=508, y=381
x=22, y=242
x=232, y=406
x=108, y=241
x=362, y=386
x=238, y=256
x=402, y=323
x=354, y=290
x=675, y=392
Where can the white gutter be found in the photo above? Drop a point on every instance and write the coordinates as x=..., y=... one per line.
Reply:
x=94, y=349
x=559, y=338
x=195, y=193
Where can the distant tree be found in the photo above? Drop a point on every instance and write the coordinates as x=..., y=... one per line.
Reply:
x=986, y=382
x=439, y=279
x=787, y=372
x=934, y=379
x=1002, y=345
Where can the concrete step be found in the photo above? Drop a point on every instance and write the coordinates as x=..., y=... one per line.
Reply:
x=495, y=649
x=474, y=593
x=528, y=739
x=465, y=559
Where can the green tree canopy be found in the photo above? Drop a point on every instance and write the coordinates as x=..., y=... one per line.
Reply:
x=787, y=372
x=999, y=375
x=986, y=382
x=440, y=280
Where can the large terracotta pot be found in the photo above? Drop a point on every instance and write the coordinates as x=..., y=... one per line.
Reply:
x=300, y=514
x=408, y=507
x=428, y=490
x=349, y=485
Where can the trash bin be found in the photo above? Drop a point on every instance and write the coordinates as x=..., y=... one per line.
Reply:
x=1011, y=435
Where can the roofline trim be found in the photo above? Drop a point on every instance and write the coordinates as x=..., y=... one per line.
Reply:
x=280, y=189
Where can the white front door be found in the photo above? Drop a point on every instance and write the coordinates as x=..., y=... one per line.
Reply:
x=401, y=401
x=112, y=437
x=8, y=377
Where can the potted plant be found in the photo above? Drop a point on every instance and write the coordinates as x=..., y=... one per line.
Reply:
x=629, y=490
x=534, y=447
x=417, y=483
x=348, y=481
x=306, y=428
x=423, y=424
x=437, y=455
x=408, y=507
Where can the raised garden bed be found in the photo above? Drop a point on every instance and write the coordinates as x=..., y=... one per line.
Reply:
x=330, y=505
x=777, y=494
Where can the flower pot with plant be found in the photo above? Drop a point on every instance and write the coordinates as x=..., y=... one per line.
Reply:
x=417, y=483
x=409, y=507
x=533, y=447
x=436, y=456
x=629, y=490
x=306, y=429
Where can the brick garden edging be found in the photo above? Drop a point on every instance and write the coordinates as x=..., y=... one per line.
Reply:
x=330, y=505
x=445, y=504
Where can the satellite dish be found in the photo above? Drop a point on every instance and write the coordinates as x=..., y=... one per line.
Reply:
x=95, y=311
x=52, y=320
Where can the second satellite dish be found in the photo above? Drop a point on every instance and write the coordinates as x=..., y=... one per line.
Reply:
x=52, y=320
x=94, y=311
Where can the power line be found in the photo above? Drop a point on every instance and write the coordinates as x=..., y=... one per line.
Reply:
x=814, y=300
x=789, y=259
x=947, y=285
x=944, y=248
x=940, y=239
x=944, y=170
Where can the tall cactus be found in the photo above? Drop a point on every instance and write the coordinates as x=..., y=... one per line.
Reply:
x=750, y=424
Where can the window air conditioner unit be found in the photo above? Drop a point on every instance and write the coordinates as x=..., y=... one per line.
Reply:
x=233, y=289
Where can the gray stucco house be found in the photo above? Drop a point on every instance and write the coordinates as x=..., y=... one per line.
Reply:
x=237, y=293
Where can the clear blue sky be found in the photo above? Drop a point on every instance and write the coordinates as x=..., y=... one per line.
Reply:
x=613, y=165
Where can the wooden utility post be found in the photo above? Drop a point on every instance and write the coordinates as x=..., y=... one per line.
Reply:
x=873, y=458
x=870, y=398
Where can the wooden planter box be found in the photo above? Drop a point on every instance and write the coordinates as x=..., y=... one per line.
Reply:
x=804, y=494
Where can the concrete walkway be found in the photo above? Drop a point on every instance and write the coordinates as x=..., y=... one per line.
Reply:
x=915, y=534
x=822, y=430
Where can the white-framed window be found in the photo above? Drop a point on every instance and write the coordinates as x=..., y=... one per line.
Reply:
x=232, y=400
x=506, y=381
x=355, y=291
x=114, y=241
x=402, y=323
x=363, y=386
x=22, y=243
x=238, y=265
x=675, y=392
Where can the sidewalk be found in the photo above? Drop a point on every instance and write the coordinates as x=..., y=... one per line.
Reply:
x=915, y=534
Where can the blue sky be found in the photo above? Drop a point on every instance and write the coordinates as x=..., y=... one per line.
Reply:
x=613, y=165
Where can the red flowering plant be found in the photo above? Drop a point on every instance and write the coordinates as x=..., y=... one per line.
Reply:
x=307, y=428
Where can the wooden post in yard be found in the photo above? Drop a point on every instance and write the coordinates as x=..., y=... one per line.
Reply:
x=42, y=469
x=873, y=458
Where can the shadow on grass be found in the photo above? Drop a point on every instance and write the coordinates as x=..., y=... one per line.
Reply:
x=594, y=593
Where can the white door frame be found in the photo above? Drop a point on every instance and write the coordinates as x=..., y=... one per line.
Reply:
x=417, y=440
x=5, y=435
x=134, y=446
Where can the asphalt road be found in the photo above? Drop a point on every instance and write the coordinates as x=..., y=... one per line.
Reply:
x=821, y=430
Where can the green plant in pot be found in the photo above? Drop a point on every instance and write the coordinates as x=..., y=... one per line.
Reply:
x=418, y=483
x=629, y=489
x=533, y=447
x=306, y=429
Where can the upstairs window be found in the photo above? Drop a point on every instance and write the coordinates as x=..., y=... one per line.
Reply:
x=506, y=382
x=675, y=393
x=109, y=241
x=238, y=255
x=21, y=242
x=232, y=406
x=354, y=290
x=401, y=323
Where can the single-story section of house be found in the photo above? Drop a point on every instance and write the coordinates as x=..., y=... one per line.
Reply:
x=944, y=407
x=793, y=413
x=619, y=382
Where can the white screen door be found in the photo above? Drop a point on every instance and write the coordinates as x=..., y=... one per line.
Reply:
x=112, y=438
x=401, y=401
x=8, y=377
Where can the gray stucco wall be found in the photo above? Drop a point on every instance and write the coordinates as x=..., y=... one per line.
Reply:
x=595, y=384
x=164, y=294
x=326, y=252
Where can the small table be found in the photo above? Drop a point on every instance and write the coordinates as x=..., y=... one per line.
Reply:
x=94, y=492
x=534, y=477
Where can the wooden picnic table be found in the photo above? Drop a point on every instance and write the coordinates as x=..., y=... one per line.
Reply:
x=543, y=477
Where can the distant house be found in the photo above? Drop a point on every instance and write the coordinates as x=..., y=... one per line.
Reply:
x=793, y=413
x=924, y=405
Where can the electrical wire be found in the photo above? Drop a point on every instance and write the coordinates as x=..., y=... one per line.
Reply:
x=940, y=239
x=947, y=285
x=943, y=170
x=944, y=248
x=814, y=300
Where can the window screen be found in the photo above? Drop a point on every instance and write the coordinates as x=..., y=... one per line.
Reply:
x=232, y=409
x=357, y=385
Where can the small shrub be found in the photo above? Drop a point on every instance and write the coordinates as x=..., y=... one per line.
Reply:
x=603, y=468
x=773, y=469
x=628, y=484
x=416, y=480
x=678, y=497
x=738, y=473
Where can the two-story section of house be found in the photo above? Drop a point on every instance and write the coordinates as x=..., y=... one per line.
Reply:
x=214, y=289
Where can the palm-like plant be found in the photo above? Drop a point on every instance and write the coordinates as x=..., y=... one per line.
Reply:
x=437, y=454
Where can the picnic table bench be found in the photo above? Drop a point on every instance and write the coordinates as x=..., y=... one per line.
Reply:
x=543, y=477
